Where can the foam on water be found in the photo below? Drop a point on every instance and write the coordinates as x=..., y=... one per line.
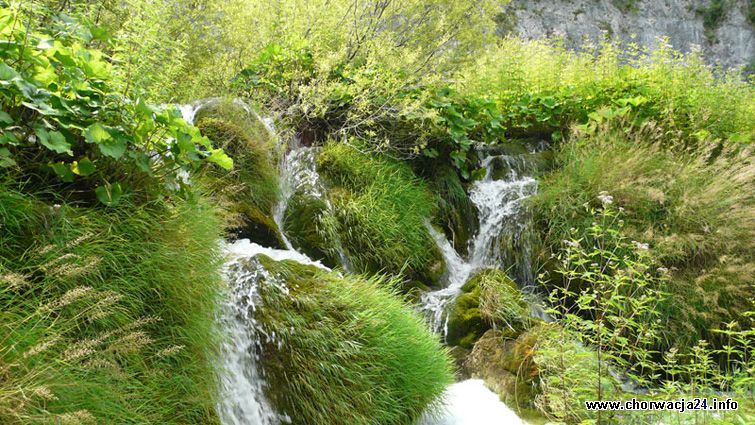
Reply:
x=471, y=403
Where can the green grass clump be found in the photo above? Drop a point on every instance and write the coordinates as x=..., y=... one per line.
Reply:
x=693, y=206
x=352, y=352
x=249, y=191
x=107, y=312
x=381, y=208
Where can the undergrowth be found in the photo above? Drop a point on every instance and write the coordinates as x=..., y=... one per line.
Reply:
x=107, y=313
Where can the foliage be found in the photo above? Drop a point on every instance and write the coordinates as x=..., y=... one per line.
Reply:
x=351, y=351
x=381, y=208
x=107, y=313
x=63, y=121
x=249, y=192
x=542, y=88
x=692, y=208
x=608, y=300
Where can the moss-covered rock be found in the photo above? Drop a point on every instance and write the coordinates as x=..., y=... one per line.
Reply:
x=308, y=228
x=247, y=193
x=506, y=366
x=381, y=208
x=490, y=298
x=347, y=350
x=465, y=324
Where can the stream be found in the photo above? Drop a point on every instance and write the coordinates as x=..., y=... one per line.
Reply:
x=499, y=200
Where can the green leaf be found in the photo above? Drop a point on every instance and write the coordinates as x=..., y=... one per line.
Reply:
x=5, y=158
x=5, y=118
x=96, y=133
x=220, y=158
x=63, y=171
x=114, y=148
x=109, y=194
x=84, y=167
x=53, y=140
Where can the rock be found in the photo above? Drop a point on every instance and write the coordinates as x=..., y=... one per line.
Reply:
x=490, y=298
x=505, y=365
x=305, y=222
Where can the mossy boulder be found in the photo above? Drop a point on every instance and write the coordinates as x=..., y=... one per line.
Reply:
x=308, y=228
x=247, y=193
x=381, y=209
x=506, y=366
x=465, y=323
x=488, y=299
x=347, y=350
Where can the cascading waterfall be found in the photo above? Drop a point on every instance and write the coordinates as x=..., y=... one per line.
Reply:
x=298, y=173
x=499, y=199
x=243, y=400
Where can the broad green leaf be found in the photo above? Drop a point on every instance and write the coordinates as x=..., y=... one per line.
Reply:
x=63, y=171
x=7, y=74
x=109, y=194
x=5, y=158
x=53, y=140
x=113, y=148
x=5, y=118
x=220, y=158
x=84, y=167
x=96, y=133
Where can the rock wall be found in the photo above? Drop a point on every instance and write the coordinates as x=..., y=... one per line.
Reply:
x=723, y=29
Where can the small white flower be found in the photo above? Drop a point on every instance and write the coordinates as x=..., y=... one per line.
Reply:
x=640, y=245
x=570, y=243
x=605, y=198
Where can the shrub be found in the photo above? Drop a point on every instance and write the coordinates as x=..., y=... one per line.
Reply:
x=348, y=350
x=381, y=209
x=691, y=206
x=65, y=123
x=107, y=313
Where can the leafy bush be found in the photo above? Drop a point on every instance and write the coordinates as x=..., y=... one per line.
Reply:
x=543, y=88
x=63, y=121
x=351, y=352
x=381, y=208
x=692, y=207
x=107, y=313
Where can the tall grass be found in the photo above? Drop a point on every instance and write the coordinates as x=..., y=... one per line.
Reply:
x=381, y=208
x=107, y=313
x=347, y=349
x=693, y=206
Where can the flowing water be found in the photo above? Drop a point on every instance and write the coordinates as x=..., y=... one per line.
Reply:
x=499, y=199
x=241, y=376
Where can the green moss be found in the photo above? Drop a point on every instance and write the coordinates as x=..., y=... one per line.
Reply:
x=381, y=208
x=456, y=213
x=308, y=228
x=351, y=351
x=139, y=283
x=465, y=323
x=490, y=298
x=247, y=193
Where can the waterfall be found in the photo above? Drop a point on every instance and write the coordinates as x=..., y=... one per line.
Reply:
x=499, y=199
x=298, y=173
x=242, y=398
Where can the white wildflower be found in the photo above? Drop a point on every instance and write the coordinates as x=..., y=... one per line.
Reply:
x=605, y=198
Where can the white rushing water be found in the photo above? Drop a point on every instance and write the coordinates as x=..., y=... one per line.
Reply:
x=501, y=213
x=470, y=402
x=243, y=400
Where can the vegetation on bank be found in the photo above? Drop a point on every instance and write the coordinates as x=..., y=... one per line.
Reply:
x=111, y=208
x=346, y=349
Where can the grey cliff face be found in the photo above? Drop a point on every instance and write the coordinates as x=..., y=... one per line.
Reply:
x=723, y=29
